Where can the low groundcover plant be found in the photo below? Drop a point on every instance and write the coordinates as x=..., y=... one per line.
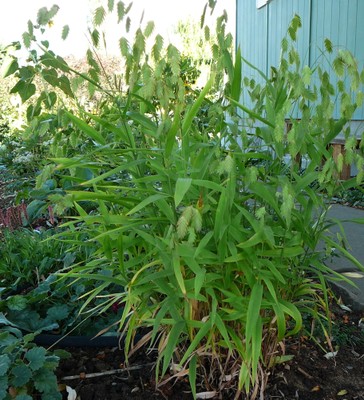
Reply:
x=197, y=215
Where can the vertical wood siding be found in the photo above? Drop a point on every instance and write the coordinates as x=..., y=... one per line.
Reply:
x=260, y=32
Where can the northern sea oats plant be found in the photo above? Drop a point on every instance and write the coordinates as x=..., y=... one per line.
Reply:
x=213, y=236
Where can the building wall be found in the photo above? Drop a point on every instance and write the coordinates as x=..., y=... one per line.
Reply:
x=259, y=32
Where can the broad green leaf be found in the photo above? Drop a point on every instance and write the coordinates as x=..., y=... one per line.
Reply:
x=26, y=89
x=21, y=375
x=177, y=268
x=4, y=385
x=43, y=16
x=58, y=312
x=208, y=184
x=36, y=357
x=256, y=346
x=27, y=397
x=149, y=200
x=182, y=187
x=191, y=113
x=85, y=128
x=253, y=313
x=193, y=374
x=17, y=302
x=252, y=241
x=236, y=82
x=252, y=113
x=5, y=363
x=145, y=122
x=196, y=342
x=65, y=85
x=174, y=337
x=292, y=310
x=281, y=320
x=266, y=195
x=45, y=380
x=9, y=66
x=172, y=133
x=282, y=252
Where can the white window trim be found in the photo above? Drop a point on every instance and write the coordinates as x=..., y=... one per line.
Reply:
x=261, y=3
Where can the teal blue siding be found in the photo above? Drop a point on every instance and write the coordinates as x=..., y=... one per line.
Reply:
x=260, y=32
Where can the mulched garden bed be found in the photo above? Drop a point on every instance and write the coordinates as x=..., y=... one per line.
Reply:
x=309, y=375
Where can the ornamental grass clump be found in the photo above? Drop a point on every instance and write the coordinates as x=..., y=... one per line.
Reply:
x=196, y=213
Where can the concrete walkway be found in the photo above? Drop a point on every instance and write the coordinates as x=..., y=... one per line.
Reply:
x=352, y=297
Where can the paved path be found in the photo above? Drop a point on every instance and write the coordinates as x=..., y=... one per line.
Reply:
x=352, y=296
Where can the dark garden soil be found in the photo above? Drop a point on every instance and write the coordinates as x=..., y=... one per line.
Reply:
x=308, y=375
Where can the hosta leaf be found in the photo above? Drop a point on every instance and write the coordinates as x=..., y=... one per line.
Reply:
x=21, y=375
x=36, y=357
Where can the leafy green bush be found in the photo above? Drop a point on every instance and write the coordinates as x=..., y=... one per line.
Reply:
x=27, y=371
x=212, y=236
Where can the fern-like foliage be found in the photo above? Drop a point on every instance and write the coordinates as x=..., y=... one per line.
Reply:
x=95, y=36
x=124, y=47
x=121, y=10
x=110, y=5
x=293, y=27
x=328, y=45
x=339, y=66
x=149, y=29
x=99, y=16
x=157, y=48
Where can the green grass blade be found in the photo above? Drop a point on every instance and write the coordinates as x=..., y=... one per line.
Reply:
x=87, y=129
x=182, y=187
x=193, y=374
